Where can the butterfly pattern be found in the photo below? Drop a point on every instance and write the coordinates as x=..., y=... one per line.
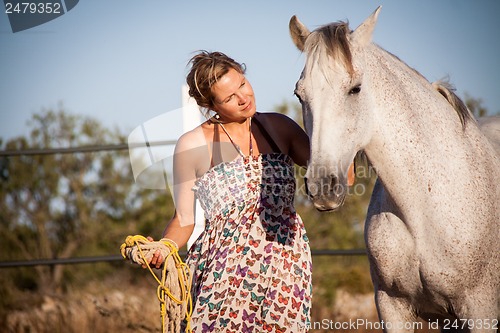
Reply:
x=252, y=264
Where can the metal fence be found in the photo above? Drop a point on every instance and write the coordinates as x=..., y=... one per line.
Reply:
x=82, y=149
x=112, y=258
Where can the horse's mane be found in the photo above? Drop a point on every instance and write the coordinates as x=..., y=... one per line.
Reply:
x=448, y=92
x=334, y=39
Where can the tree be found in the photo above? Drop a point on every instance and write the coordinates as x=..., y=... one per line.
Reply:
x=475, y=106
x=62, y=205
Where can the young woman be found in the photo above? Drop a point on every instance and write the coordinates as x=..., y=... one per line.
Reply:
x=252, y=263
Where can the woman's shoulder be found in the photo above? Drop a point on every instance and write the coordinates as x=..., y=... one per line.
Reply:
x=289, y=135
x=273, y=117
x=192, y=152
x=279, y=122
x=192, y=139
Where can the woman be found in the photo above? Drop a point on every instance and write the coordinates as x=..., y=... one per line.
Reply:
x=252, y=264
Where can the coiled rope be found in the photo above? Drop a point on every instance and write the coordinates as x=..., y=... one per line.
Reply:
x=174, y=287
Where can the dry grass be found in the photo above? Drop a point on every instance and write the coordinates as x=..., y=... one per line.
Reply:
x=118, y=305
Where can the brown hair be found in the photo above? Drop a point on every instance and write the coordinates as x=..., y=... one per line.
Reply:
x=206, y=69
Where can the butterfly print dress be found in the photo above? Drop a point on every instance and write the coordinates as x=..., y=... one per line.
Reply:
x=252, y=264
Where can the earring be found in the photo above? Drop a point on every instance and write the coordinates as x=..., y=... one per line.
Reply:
x=217, y=116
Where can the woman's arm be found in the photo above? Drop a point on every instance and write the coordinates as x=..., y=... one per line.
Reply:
x=187, y=159
x=300, y=149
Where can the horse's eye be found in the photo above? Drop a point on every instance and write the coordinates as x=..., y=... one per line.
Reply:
x=355, y=90
x=298, y=96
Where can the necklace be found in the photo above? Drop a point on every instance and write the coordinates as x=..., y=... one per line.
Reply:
x=236, y=146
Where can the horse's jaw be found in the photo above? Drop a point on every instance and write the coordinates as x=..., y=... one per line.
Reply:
x=326, y=193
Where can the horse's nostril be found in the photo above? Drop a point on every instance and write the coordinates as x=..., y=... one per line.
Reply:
x=333, y=182
x=324, y=187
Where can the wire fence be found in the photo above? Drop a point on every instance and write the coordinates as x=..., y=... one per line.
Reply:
x=81, y=149
x=112, y=258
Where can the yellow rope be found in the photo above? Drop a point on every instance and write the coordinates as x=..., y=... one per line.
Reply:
x=184, y=276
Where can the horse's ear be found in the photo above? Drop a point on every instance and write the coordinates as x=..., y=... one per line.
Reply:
x=298, y=32
x=363, y=33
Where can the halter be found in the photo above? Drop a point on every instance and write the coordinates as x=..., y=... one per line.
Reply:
x=236, y=146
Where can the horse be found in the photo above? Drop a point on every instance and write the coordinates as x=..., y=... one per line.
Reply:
x=433, y=223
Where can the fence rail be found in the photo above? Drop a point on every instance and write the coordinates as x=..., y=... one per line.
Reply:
x=111, y=258
x=82, y=149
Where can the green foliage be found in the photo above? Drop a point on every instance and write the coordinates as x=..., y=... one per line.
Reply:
x=475, y=105
x=291, y=109
x=70, y=205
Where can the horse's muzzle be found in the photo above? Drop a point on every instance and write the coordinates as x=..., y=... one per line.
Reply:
x=326, y=193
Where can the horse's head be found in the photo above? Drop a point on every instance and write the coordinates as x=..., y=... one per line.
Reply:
x=336, y=103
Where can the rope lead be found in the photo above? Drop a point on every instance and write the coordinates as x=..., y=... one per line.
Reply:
x=174, y=287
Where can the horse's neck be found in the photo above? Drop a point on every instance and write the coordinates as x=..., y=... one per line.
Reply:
x=413, y=123
x=419, y=149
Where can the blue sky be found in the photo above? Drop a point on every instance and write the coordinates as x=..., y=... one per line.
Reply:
x=123, y=62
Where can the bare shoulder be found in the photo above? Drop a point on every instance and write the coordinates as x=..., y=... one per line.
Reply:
x=191, y=154
x=191, y=140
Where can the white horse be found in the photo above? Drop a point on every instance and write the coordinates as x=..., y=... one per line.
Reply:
x=433, y=224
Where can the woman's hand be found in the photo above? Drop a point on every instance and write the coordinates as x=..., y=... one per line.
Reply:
x=157, y=259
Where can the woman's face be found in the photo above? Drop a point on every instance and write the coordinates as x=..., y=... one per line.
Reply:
x=234, y=98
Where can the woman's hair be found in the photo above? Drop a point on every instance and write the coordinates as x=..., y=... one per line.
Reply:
x=206, y=69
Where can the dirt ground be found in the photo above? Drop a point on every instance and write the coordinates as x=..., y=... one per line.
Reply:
x=127, y=309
